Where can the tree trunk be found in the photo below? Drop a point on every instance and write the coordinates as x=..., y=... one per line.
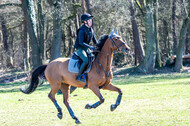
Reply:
x=76, y=20
x=41, y=30
x=9, y=62
x=88, y=6
x=178, y=64
x=70, y=41
x=46, y=32
x=187, y=50
x=1, y=37
x=29, y=15
x=56, y=43
x=83, y=6
x=147, y=65
x=26, y=48
x=139, y=52
x=165, y=35
x=64, y=42
x=174, y=27
x=155, y=15
x=5, y=34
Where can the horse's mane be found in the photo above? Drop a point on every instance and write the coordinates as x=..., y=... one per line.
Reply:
x=102, y=41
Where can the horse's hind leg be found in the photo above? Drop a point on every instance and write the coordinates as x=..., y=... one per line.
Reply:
x=51, y=95
x=96, y=91
x=111, y=87
x=66, y=92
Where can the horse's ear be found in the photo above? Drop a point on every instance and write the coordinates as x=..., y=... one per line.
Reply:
x=112, y=32
x=116, y=32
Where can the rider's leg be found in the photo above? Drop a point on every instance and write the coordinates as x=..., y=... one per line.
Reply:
x=83, y=55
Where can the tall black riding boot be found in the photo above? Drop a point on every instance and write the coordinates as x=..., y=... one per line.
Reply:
x=80, y=75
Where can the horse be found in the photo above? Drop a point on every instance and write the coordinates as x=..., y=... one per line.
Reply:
x=99, y=77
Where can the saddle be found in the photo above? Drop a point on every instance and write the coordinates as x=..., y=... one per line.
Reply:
x=75, y=63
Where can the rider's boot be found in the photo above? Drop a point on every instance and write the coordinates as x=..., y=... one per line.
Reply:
x=81, y=77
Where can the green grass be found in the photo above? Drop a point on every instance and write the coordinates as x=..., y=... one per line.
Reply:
x=153, y=100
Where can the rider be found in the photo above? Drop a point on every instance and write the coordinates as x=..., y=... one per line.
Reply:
x=85, y=34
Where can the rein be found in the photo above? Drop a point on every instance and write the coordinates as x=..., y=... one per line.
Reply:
x=107, y=71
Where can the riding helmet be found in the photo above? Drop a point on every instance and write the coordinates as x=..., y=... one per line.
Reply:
x=86, y=17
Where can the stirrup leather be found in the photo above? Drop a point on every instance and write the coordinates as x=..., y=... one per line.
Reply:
x=81, y=78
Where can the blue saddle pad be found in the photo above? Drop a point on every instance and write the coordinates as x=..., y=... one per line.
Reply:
x=75, y=63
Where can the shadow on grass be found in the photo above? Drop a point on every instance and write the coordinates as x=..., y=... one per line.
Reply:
x=15, y=87
x=146, y=79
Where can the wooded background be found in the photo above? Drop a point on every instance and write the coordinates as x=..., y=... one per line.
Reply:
x=34, y=32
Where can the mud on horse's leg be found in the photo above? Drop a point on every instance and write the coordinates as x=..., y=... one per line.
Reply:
x=114, y=88
x=96, y=91
x=52, y=97
x=66, y=92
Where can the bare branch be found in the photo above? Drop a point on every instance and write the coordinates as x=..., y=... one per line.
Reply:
x=10, y=4
x=12, y=27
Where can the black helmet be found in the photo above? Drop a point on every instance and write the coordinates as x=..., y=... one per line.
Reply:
x=86, y=17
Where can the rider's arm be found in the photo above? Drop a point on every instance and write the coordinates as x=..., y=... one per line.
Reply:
x=81, y=39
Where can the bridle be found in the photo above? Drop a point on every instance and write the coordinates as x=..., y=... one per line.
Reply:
x=107, y=70
x=114, y=44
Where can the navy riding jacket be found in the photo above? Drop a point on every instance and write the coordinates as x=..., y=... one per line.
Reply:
x=84, y=36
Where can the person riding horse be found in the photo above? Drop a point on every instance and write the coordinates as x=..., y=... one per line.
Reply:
x=99, y=77
x=85, y=34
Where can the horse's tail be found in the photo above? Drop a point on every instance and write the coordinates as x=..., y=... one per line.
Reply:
x=34, y=81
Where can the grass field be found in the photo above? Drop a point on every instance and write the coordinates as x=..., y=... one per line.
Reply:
x=152, y=100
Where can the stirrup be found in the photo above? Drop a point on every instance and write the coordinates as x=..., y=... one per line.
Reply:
x=81, y=78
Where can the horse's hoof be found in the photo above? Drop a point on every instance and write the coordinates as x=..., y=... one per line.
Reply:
x=77, y=122
x=88, y=106
x=59, y=115
x=113, y=107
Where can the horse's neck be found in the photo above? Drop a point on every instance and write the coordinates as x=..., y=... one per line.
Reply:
x=105, y=57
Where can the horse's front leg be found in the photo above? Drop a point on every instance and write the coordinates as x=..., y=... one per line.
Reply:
x=96, y=91
x=111, y=87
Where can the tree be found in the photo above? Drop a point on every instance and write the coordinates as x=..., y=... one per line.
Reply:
x=155, y=16
x=70, y=45
x=29, y=15
x=174, y=26
x=179, y=62
x=83, y=6
x=147, y=65
x=57, y=32
x=107, y=15
x=26, y=50
x=139, y=52
x=41, y=29
x=9, y=61
x=1, y=37
x=88, y=7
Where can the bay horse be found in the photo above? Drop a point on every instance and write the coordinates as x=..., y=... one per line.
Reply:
x=100, y=76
